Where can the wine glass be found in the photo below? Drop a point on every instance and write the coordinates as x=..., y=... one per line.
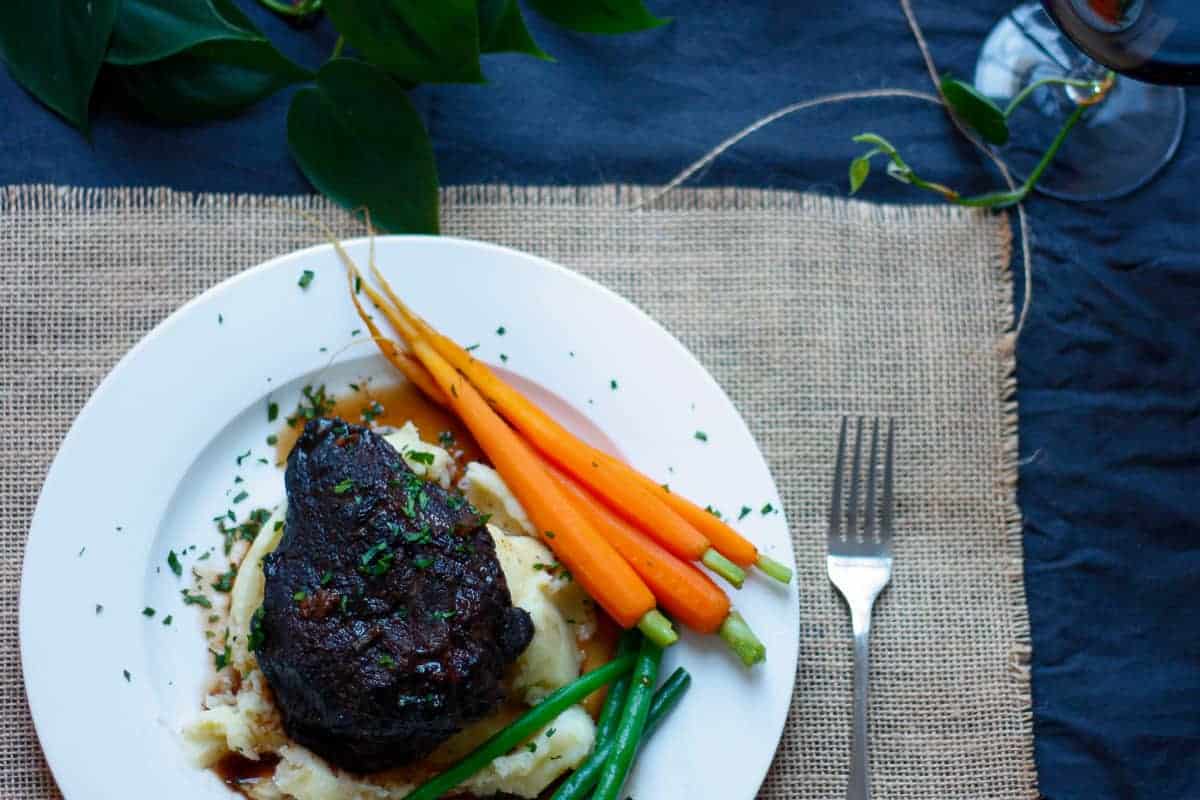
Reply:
x=1132, y=130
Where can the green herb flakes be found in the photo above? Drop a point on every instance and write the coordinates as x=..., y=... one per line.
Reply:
x=472, y=348
x=168, y=619
x=195, y=599
x=422, y=562
x=744, y=512
x=386, y=661
x=240, y=496
x=272, y=440
x=373, y=411
x=504, y=358
x=99, y=609
x=224, y=658
x=343, y=486
x=419, y=456
x=767, y=509
x=713, y=511
x=612, y=384
x=173, y=563
x=128, y=677
x=300, y=596
x=224, y=582
x=701, y=436
x=326, y=578
x=442, y=614
x=254, y=640
x=148, y=612
x=501, y=331
x=272, y=411
x=306, y=278
x=243, y=457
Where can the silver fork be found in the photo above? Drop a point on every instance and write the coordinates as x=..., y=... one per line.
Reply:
x=860, y=565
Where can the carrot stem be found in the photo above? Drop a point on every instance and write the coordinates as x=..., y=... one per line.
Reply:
x=724, y=567
x=657, y=628
x=773, y=568
x=741, y=639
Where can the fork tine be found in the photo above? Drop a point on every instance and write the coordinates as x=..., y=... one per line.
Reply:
x=869, y=529
x=888, y=506
x=855, y=464
x=835, y=504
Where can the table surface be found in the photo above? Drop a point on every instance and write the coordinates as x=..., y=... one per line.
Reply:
x=1109, y=362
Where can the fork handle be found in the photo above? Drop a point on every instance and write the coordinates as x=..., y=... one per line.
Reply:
x=859, y=787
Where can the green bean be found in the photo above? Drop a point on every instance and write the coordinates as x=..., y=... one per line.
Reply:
x=610, y=714
x=633, y=722
x=586, y=774
x=525, y=726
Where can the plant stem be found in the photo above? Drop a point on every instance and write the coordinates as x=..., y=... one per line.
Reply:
x=724, y=567
x=773, y=569
x=1006, y=199
x=1023, y=95
x=337, y=46
x=658, y=628
x=741, y=640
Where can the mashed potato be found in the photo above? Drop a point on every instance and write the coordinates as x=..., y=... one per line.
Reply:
x=239, y=716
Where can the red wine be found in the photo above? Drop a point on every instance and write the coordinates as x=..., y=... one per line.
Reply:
x=1152, y=40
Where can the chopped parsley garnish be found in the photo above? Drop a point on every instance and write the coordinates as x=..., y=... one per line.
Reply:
x=224, y=582
x=613, y=384
x=272, y=440
x=300, y=596
x=357, y=283
x=243, y=457
x=386, y=661
x=767, y=509
x=422, y=562
x=128, y=677
x=356, y=331
x=446, y=439
x=342, y=603
x=472, y=348
x=272, y=411
x=501, y=331
x=549, y=534
x=195, y=599
x=173, y=563
x=99, y=609
x=377, y=560
x=326, y=578
x=82, y=550
x=220, y=319
x=550, y=732
x=419, y=456
x=343, y=486
x=455, y=501
x=423, y=536
x=713, y=511
x=205, y=557
x=441, y=614
x=167, y=619
x=744, y=512
x=224, y=658
x=316, y=403
x=306, y=278
x=148, y=612
x=240, y=496
x=255, y=640
x=504, y=358
x=238, y=479
x=373, y=411
x=701, y=436
x=532, y=746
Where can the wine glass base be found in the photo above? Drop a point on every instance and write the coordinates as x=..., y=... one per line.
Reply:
x=1117, y=146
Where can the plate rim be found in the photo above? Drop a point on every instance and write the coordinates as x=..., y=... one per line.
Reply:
x=54, y=760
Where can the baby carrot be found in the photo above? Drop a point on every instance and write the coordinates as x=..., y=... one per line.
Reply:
x=685, y=592
x=611, y=479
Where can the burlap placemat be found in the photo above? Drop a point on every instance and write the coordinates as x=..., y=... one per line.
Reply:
x=804, y=308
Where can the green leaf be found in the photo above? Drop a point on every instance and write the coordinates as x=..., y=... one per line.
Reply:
x=151, y=30
x=976, y=110
x=598, y=16
x=209, y=81
x=358, y=139
x=875, y=139
x=860, y=168
x=426, y=42
x=54, y=48
x=502, y=30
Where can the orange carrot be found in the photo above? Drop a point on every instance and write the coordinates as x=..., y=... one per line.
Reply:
x=725, y=539
x=685, y=592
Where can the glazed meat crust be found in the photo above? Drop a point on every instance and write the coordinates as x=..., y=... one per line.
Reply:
x=387, y=622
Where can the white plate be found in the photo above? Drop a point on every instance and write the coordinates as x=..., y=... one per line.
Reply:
x=151, y=457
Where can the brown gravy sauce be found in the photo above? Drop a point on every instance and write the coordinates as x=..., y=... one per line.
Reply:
x=399, y=403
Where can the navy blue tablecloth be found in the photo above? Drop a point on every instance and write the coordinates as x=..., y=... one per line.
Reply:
x=1109, y=364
